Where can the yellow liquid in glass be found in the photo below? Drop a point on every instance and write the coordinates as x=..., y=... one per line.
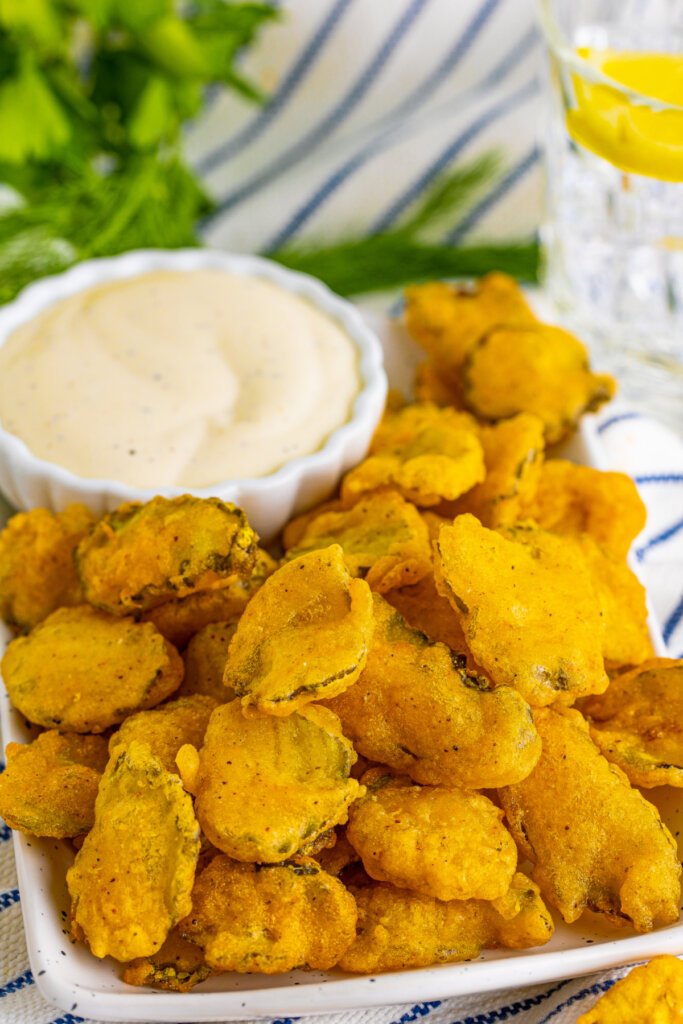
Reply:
x=633, y=135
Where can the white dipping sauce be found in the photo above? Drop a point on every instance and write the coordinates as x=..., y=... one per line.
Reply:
x=177, y=378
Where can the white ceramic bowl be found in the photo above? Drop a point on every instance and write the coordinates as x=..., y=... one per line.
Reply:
x=269, y=501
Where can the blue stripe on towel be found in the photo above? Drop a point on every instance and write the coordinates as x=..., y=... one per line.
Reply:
x=418, y=1012
x=504, y=1013
x=514, y=175
x=598, y=988
x=660, y=538
x=9, y=898
x=660, y=478
x=5, y=832
x=23, y=981
x=620, y=418
x=283, y=94
x=673, y=621
x=69, y=1018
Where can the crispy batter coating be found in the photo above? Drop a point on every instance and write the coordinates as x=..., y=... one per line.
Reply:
x=428, y=454
x=167, y=728
x=205, y=658
x=270, y=918
x=383, y=537
x=399, y=929
x=572, y=499
x=303, y=636
x=638, y=722
x=448, y=320
x=132, y=879
x=265, y=787
x=513, y=454
x=338, y=857
x=48, y=787
x=37, y=571
x=81, y=670
x=139, y=556
x=433, y=384
x=446, y=843
x=596, y=843
x=417, y=710
x=178, y=966
x=178, y=620
x=542, y=370
x=527, y=608
x=296, y=528
x=426, y=610
x=650, y=994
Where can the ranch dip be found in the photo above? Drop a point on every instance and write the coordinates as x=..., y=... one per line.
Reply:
x=177, y=378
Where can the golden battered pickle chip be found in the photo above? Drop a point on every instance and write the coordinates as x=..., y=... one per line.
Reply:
x=596, y=843
x=48, y=787
x=37, y=571
x=446, y=843
x=132, y=879
x=416, y=709
x=426, y=453
x=426, y=610
x=398, y=929
x=178, y=966
x=337, y=858
x=448, y=320
x=81, y=670
x=167, y=728
x=270, y=918
x=383, y=537
x=527, y=608
x=638, y=723
x=205, y=658
x=178, y=620
x=296, y=528
x=650, y=994
x=513, y=454
x=573, y=500
x=303, y=636
x=265, y=787
x=139, y=556
x=542, y=370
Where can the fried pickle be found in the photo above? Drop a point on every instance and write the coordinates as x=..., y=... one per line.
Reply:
x=398, y=929
x=178, y=966
x=428, y=454
x=638, y=722
x=383, y=537
x=167, y=728
x=132, y=879
x=650, y=994
x=541, y=370
x=142, y=555
x=432, y=384
x=82, y=670
x=595, y=842
x=204, y=659
x=426, y=610
x=270, y=918
x=446, y=843
x=304, y=635
x=265, y=787
x=417, y=710
x=527, y=608
x=37, y=571
x=48, y=787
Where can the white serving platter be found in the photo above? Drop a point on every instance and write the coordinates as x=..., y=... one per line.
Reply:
x=69, y=976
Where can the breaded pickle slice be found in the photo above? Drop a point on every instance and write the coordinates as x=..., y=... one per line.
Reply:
x=167, y=728
x=383, y=537
x=205, y=657
x=398, y=929
x=596, y=843
x=142, y=555
x=37, y=571
x=132, y=879
x=270, y=918
x=48, y=787
x=638, y=722
x=650, y=994
x=427, y=453
x=178, y=966
x=303, y=636
x=541, y=370
x=265, y=787
x=425, y=610
x=442, y=842
x=180, y=619
x=81, y=670
x=417, y=710
x=527, y=608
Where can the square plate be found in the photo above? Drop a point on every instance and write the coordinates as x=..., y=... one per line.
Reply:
x=69, y=976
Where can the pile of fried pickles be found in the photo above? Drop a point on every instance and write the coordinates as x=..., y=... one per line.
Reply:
x=396, y=744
